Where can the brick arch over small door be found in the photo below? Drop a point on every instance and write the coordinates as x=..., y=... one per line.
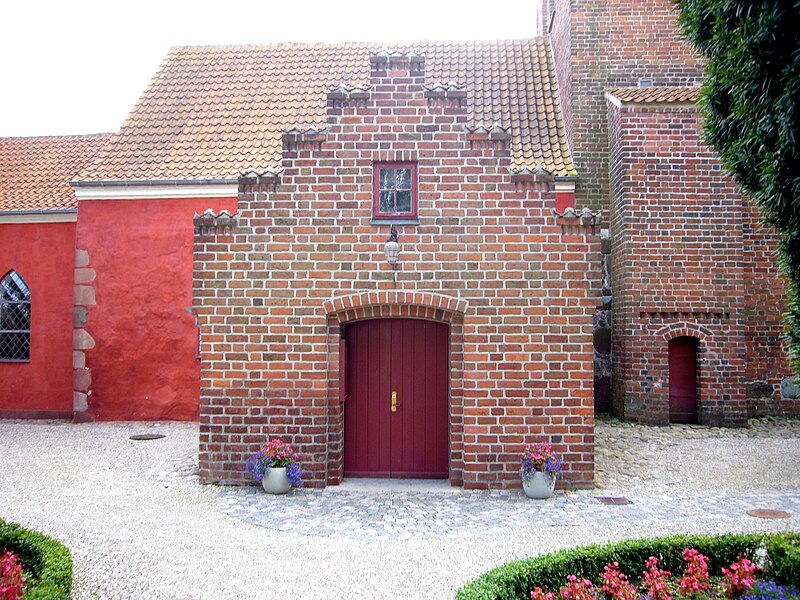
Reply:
x=376, y=305
x=685, y=344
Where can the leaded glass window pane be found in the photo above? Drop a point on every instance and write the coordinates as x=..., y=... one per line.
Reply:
x=14, y=288
x=15, y=318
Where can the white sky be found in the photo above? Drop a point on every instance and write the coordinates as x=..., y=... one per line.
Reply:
x=78, y=66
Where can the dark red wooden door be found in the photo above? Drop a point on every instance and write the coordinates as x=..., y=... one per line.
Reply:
x=683, y=380
x=409, y=358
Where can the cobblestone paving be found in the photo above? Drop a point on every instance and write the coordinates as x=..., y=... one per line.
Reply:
x=408, y=515
x=628, y=457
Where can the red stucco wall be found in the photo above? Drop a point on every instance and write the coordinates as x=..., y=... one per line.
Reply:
x=43, y=254
x=144, y=364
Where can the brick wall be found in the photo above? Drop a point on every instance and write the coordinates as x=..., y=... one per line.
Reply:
x=610, y=44
x=765, y=302
x=689, y=260
x=515, y=283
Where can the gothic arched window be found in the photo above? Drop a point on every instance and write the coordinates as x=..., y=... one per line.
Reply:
x=15, y=318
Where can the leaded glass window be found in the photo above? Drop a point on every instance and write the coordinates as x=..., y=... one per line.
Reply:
x=15, y=318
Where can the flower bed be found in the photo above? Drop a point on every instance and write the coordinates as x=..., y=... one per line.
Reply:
x=516, y=580
x=47, y=563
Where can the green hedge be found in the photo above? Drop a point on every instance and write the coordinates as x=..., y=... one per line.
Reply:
x=47, y=561
x=784, y=557
x=515, y=580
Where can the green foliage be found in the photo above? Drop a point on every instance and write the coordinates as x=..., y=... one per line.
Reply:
x=515, y=580
x=47, y=561
x=784, y=557
x=750, y=108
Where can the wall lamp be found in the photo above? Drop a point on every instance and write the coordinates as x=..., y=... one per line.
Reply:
x=392, y=248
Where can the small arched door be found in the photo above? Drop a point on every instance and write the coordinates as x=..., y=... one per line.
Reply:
x=683, y=380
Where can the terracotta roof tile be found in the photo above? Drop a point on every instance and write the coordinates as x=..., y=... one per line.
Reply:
x=35, y=171
x=216, y=112
x=657, y=94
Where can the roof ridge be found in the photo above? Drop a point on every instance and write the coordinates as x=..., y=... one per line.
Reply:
x=656, y=87
x=57, y=136
x=350, y=43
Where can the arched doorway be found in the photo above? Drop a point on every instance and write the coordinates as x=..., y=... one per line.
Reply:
x=683, y=380
x=396, y=414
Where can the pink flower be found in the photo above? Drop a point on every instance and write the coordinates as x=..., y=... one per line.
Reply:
x=577, y=589
x=695, y=578
x=539, y=594
x=11, y=579
x=740, y=578
x=616, y=584
x=654, y=580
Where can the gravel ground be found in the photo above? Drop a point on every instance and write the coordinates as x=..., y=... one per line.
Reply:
x=763, y=457
x=140, y=526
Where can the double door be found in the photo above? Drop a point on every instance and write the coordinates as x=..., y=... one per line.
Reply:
x=396, y=409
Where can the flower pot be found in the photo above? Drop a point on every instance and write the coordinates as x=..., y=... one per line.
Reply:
x=540, y=486
x=276, y=481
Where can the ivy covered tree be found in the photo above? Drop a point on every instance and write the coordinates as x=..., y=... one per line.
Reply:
x=750, y=107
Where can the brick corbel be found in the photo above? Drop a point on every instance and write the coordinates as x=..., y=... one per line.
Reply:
x=384, y=60
x=446, y=94
x=342, y=95
x=572, y=219
x=298, y=138
x=524, y=174
x=495, y=136
x=210, y=222
x=270, y=178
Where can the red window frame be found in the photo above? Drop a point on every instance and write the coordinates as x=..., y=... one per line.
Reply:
x=376, y=190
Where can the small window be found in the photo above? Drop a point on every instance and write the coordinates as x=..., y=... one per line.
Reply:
x=15, y=318
x=395, y=191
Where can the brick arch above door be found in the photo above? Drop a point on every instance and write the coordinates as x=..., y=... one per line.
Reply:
x=372, y=305
x=395, y=304
x=684, y=329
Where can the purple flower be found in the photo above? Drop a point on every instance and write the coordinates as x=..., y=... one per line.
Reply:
x=276, y=453
x=540, y=457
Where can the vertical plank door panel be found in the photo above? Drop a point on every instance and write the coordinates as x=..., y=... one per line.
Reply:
x=409, y=357
x=683, y=380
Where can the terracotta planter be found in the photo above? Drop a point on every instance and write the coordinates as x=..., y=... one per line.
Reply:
x=276, y=481
x=540, y=486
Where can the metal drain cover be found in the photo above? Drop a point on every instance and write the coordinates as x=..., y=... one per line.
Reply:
x=148, y=436
x=768, y=513
x=613, y=500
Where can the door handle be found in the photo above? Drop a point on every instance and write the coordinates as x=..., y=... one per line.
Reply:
x=394, y=401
